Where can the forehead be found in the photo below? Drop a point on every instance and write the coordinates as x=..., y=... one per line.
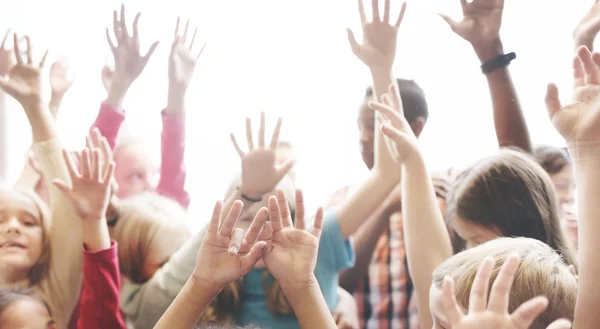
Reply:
x=466, y=229
x=134, y=154
x=565, y=173
x=13, y=200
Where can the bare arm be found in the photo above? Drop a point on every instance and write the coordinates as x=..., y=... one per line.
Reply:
x=309, y=305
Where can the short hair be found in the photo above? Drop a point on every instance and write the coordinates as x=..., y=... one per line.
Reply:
x=542, y=272
x=552, y=159
x=413, y=99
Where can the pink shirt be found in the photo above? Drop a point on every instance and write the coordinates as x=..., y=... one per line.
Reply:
x=172, y=169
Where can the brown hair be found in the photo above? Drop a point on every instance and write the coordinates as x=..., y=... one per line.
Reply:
x=552, y=159
x=512, y=193
x=139, y=222
x=542, y=272
x=413, y=98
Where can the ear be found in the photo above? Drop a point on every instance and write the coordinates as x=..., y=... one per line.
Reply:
x=417, y=125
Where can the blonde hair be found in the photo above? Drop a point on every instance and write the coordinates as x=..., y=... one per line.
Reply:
x=542, y=272
x=230, y=298
x=140, y=220
x=39, y=270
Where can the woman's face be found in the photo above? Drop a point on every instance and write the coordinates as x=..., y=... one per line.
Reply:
x=564, y=184
x=21, y=234
x=26, y=313
x=472, y=233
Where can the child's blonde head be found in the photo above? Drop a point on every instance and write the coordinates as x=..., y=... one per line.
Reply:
x=542, y=272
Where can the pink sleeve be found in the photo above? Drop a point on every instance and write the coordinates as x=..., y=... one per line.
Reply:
x=109, y=122
x=172, y=169
x=99, y=302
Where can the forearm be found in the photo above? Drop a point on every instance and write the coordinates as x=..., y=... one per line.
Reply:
x=587, y=42
x=42, y=123
x=175, y=102
x=509, y=121
x=116, y=95
x=95, y=235
x=425, y=235
x=365, y=240
x=309, y=306
x=54, y=105
x=587, y=179
x=188, y=306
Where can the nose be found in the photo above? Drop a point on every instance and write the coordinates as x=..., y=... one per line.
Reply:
x=12, y=226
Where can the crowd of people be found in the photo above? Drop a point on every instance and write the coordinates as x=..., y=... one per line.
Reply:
x=97, y=238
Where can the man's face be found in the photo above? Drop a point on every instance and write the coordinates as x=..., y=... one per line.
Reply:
x=366, y=128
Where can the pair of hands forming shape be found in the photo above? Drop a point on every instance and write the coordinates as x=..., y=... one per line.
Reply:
x=288, y=251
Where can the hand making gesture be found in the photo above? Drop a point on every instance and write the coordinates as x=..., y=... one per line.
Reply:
x=481, y=21
x=61, y=78
x=260, y=172
x=291, y=253
x=586, y=31
x=129, y=62
x=228, y=253
x=378, y=49
x=182, y=61
x=493, y=313
x=7, y=56
x=23, y=81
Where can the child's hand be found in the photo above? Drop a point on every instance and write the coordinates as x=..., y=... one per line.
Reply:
x=260, y=172
x=181, y=60
x=228, y=253
x=493, y=313
x=90, y=191
x=291, y=255
x=400, y=139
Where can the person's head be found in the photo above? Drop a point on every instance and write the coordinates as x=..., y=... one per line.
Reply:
x=285, y=153
x=542, y=272
x=149, y=228
x=415, y=112
x=557, y=163
x=24, y=243
x=136, y=169
x=21, y=309
x=506, y=195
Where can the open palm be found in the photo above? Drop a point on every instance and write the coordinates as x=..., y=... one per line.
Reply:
x=182, y=62
x=379, y=36
x=292, y=252
x=481, y=21
x=228, y=253
x=60, y=78
x=580, y=120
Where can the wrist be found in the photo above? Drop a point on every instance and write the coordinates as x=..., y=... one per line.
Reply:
x=204, y=287
x=95, y=235
x=296, y=291
x=582, y=153
x=487, y=51
x=382, y=72
x=175, y=101
x=249, y=195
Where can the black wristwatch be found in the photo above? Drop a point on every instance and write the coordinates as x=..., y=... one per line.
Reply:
x=498, y=62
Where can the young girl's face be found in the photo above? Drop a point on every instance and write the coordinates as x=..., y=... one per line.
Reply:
x=26, y=313
x=21, y=233
x=136, y=170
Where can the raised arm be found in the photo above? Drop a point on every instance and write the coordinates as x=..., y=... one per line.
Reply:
x=579, y=124
x=181, y=68
x=63, y=284
x=61, y=80
x=7, y=60
x=425, y=234
x=480, y=26
x=586, y=31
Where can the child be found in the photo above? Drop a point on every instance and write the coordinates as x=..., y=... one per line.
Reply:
x=22, y=308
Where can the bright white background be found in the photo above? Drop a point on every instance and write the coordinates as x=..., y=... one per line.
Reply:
x=291, y=59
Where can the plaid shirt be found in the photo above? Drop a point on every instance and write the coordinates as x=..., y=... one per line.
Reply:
x=385, y=296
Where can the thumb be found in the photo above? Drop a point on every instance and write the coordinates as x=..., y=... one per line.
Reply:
x=250, y=259
x=553, y=104
x=353, y=44
x=560, y=324
x=6, y=86
x=452, y=23
x=285, y=168
x=395, y=135
x=65, y=189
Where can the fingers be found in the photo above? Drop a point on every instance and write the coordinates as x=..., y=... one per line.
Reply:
x=274, y=214
x=96, y=165
x=43, y=60
x=400, y=16
x=318, y=224
x=3, y=44
x=71, y=168
x=213, y=226
x=479, y=289
x=452, y=23
x=285, y=168
x=123, y=25
x=591, y=70
x=261, y=131
x=387, y=111
x=453, y=311
x=276, y=132
x=237, y=236
x=229, y=223
x=109, y=172
x=386, y=11
x=561, y=323
x=29, y=52
x=236, y=146
x=375, y=7
x=395, y=99
x=596, y=58
x=266, y=233
x=353, y=43
x=201, y=50
x=136, y=20
x=194, y=39
x=85, y=163
x=361, y=12
x=176, y=34
x=250, y=259
x=525, y=315
x=553, y=104
x=17, y=49
x=500, y=292
x=249, y=138
x=117, y=27
x=150, y=51
x=300, y=220
x=64, y=188
x=255, y=228
x=578, y=74
x=185, y=31
x=284, y=209
x=110, y=42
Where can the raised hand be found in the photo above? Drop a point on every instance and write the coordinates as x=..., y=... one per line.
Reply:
x=90, y=189
x=129, y=62
x=23, y=81
x=400, y=139
x=493, y=313
x=579, y=121
x=481, y=21
x=228, y=253
x=260, y=172
x=182, y=61
x=378, y=49
x=61, y=78
x=585, y=32
x=7, y=56
x=291, y=253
